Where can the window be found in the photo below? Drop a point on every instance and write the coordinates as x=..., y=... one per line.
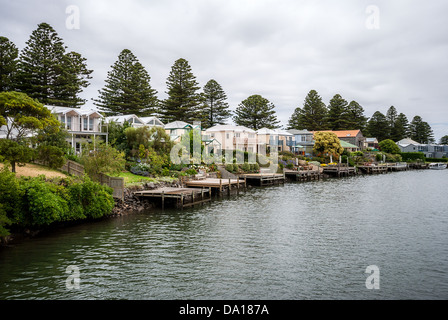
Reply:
x=237, y=135
x=69, y=123
x=91, y=124
x=227, y=135
x=85, y=123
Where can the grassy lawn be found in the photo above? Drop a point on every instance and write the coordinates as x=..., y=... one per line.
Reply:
x=133, y=179
x=34, y=170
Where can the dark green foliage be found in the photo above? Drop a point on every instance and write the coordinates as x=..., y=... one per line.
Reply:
x=97, y=200
x=337, y=113
x=312, y=116
x=401, y=128
x=15, y=153
x=229, y=167
x=420, y=131
x=51, y=156
x=245, y=167
x=355, y=118
x=127, y=89
x=256, y=112
x=26, y=115
x=215, y=109
x=413, y=156
x=389, y=146
x=10, y=195
x=8, y=64
x=183, y=100
x=35, y=202
x=47, y=73
x=444, y=140
x=378, y=126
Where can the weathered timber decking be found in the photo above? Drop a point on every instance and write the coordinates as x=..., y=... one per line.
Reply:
x=303, y=175
x=183, y=197
x=218, y=185
x=262, y=179
x=339, y=171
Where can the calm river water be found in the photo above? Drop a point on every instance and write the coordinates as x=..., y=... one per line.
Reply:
x=309, y=240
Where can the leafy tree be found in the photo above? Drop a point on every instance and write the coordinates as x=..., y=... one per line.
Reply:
x=355, y=117
x=24, y=115
x=327, y=143
x=215, y=108
x=47, y=73
x=8, y=64
x=98, y=157
x=389, y=146
x=256, y=112
x=183, y=100
x=421, y=131
x=10, y=196
x=15, y=153
x=337, y=113
x=444, y=140
x=127, y=89
x=117, y=136
x=378, y=126
x=312, y=116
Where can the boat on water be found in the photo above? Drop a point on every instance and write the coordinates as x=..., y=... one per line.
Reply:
x=437, y=166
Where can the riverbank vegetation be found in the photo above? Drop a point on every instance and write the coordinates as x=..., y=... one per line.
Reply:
x=38, y=202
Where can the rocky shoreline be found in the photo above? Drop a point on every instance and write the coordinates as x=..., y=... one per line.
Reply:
x=131, y=203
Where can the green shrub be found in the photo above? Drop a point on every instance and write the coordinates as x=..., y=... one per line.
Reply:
x=229, y=167
x=191, y=172
x=413, y=156
x=256, y=167
x=235, y=168
x=11, y=195
x=42, y=205
x=245, y=167
x=97, y=200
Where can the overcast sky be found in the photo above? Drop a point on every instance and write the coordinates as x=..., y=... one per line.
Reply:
x=379, y=53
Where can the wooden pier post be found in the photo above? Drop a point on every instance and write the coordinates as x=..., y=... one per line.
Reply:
x=163, y=200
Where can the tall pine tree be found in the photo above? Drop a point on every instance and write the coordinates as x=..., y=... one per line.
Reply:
x=337, y=113
x=421, y=131
x=355, y=117
x=183, y=102
x=215, y=108
x=401, y=127
x=312, y=116
x=127, y=89
x=8, y=64
x=47, y=73
x=256, y=112
x=378, y=126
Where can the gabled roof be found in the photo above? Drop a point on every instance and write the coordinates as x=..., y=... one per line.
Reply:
x=295, y=131
x=345, y=144
x=342, y=133
x=407, y=141
x=152, y=121
x=177, y=125
x=78, y=111
x=123, y=118
x=229, y=127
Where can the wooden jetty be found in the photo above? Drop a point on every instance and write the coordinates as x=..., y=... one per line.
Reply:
x=181, y=197
x=263, y=179
x=340, y=171
x=303, y=175
x=373, y=169
x=218, y=186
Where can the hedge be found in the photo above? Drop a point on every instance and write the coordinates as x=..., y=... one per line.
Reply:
x=413, y=156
